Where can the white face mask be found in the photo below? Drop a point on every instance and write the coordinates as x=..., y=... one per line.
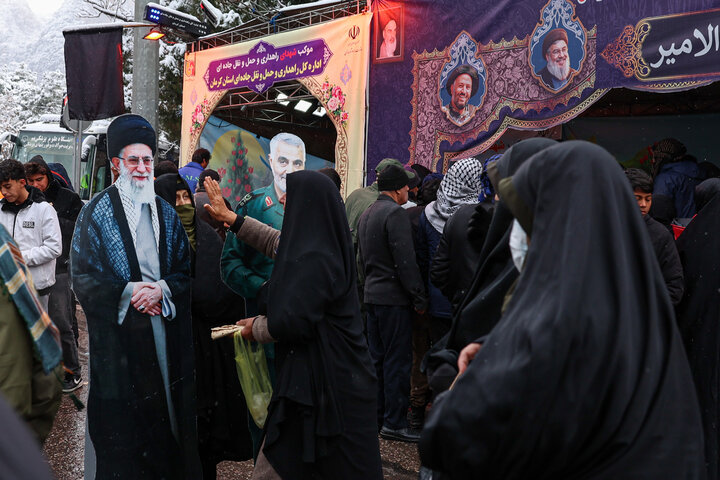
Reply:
x=518, y=245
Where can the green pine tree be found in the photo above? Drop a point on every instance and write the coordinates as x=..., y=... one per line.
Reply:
x=237, y=180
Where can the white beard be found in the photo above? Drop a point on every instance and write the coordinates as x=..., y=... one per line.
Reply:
x=561, y=73
x=140, y=192
x=388, y=49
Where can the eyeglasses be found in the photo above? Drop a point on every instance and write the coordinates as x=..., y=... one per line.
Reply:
x=135, y=161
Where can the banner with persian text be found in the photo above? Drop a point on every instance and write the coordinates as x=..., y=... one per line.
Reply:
x=448, y=78
x=329, y=59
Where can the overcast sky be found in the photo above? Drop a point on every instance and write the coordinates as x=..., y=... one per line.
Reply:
x=44, y=8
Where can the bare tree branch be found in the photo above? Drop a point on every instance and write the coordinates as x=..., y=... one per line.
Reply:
x=111, y=8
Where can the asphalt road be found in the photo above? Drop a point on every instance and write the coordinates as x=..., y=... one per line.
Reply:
x=65, y=446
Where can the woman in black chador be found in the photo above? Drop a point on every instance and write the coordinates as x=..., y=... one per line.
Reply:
x=495, y=273
x=322, y=417
x=221, y=413
x=584, y=376
x=699, y=311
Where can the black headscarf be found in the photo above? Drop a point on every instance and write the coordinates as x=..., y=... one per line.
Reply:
x=325, y=391
x=698, y=314
x=166, y=186
x=585, y=375
x=706, y=191
x=480, y=310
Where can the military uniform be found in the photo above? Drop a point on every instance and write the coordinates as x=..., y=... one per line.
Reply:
x=243, y=268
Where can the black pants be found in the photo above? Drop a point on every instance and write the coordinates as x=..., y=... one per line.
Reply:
x=389, y=329
x=60, y=309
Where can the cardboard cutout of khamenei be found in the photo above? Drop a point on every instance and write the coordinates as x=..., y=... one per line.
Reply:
x=557, y=49
x=462, y=81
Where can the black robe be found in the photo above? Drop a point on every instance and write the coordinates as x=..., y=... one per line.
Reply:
x=322, y=416
x=128, y=416
x=222, y=414
x=584, y=377
x=698, y=316
x=480, y=309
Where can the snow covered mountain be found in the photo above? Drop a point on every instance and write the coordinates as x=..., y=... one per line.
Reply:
x=36, y=41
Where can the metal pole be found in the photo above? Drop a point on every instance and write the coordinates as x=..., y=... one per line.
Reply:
x=146, y=54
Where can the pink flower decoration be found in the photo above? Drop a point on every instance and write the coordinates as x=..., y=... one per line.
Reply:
x=344, y=116
x=226, y=192
x=250, y=169
x=325, y=86
x=238, y=181
x=333, y=104
x=337, y=92
x=248, y=188
x=221, y=172
x=200, y=117
x=237, y=198
x=342, y=101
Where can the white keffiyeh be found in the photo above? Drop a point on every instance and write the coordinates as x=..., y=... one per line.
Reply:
x=460, y=186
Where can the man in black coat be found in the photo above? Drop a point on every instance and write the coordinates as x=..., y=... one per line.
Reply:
x=393, y=288
x=61, y=307
x=662, y=240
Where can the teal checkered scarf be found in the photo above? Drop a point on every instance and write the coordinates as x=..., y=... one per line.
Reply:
x=18, y=283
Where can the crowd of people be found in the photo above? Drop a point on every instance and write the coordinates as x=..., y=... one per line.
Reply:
x=537, y=313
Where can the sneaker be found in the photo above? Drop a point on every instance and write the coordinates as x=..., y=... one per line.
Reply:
x=72, y=383
x=416, y=417
x=409, y=435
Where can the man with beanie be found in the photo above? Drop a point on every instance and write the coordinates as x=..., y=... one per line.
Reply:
x=361, y=199
x=130, y=269
x=67, y=205
x=393, y=288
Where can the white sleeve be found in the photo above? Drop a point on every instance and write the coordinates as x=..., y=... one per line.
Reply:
x=51, y=246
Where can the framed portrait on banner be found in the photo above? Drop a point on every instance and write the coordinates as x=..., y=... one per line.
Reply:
x=388, y=42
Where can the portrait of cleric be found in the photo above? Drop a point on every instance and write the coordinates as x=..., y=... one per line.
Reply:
x=461, y=86
x=555, y=69
x=388, y=35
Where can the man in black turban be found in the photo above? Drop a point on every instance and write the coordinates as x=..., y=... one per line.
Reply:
x=557, y=72
x=130, y=268
x=462, y=84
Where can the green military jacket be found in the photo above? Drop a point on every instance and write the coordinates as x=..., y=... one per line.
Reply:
x=244, y=269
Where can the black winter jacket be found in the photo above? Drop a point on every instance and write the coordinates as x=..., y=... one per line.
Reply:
x=67, y=204
x=666, y=252
x=456, y=259
x=386, y=256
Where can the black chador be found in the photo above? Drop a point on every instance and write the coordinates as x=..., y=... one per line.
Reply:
x=584, y=376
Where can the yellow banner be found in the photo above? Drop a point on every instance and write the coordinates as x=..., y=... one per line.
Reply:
x=330, y=60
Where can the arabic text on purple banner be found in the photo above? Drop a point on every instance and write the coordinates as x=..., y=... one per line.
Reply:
x=265, y=64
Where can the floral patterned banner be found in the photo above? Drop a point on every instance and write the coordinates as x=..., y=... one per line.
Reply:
x=449, y=77
x=329, y=59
